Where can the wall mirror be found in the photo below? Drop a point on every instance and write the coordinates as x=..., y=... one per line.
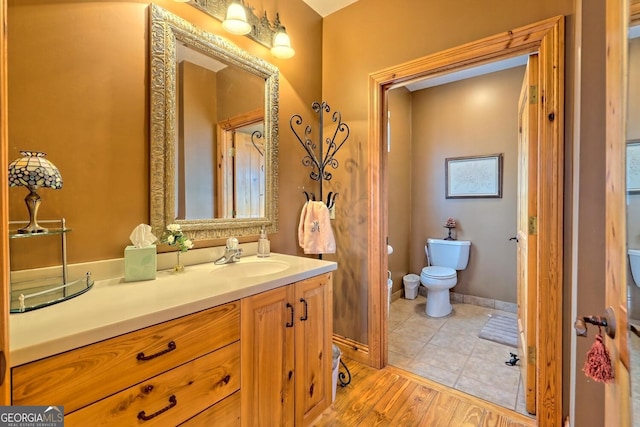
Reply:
x=214, y=133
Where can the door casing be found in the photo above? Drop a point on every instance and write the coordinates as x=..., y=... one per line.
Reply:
x=619, y=15
x=547, y=38
x=5, y=389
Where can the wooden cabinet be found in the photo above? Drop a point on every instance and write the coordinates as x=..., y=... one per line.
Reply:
x=264, y=360
x=286, y=354
x=166, y=373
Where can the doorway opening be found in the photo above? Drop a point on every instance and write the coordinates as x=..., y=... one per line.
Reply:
x=546, y=38
x=449, y=117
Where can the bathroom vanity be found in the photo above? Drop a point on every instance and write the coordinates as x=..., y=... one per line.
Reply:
x=247, y=343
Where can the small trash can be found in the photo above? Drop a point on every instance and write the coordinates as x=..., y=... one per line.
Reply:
x=335, y=368
x=411, y=282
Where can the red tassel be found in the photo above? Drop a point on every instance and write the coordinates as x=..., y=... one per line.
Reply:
x=598, y=364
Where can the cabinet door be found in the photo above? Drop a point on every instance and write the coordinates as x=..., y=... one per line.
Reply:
x=266, y=339
x=313, y=335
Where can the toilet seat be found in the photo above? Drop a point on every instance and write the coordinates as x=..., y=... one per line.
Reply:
x=439, y=273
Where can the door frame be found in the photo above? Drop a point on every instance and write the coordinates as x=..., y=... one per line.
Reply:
x=5, y=389
x=620, y=14
x=547, y=38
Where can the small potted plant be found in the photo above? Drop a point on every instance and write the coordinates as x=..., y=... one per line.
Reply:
x=173, y=236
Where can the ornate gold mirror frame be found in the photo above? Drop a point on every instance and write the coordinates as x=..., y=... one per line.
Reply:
x=166, y=31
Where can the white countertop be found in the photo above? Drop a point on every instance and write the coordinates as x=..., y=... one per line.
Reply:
x=114, y=307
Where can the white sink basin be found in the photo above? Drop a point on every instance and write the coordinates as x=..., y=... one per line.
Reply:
x=250, y=268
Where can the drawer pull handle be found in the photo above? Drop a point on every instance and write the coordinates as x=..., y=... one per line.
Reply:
x=170, y=347
x=172, y=402
x=290, y=324
x=306, y=309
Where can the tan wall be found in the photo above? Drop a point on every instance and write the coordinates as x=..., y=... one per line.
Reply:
x=196, y=143
x=473, y=117
x=78, y=90
x=240, y=92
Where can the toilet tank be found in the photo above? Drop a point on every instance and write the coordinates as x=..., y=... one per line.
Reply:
x=449, y=253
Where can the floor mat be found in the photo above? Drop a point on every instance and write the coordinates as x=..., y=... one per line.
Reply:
x=501, y=329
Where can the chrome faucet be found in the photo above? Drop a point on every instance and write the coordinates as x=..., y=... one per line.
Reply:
x=232, y=252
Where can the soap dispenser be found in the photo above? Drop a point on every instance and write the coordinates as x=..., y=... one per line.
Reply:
x=264, y=246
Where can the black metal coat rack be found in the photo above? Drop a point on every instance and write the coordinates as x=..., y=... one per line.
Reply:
x=320, y=156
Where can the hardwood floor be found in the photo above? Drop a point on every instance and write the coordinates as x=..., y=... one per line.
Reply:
x=393, y=397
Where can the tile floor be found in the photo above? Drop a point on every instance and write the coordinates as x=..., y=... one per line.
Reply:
x=448, y=350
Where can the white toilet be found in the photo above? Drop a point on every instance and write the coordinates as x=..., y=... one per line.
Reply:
x=444, y=257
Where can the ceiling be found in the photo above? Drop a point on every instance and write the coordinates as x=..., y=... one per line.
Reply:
x=327, y=7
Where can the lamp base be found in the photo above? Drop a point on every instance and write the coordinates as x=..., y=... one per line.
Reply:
x=32, y=229
x=33, y=203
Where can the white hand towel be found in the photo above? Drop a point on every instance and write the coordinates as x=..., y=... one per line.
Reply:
x=317, y=235
x=303, y=215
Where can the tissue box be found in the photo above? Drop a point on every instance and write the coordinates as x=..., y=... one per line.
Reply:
x=140, y=263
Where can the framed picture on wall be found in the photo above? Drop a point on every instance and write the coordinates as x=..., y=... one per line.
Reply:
x=633, y=167
x=473, y=177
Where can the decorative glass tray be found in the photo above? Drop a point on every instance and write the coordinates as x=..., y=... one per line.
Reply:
x=31, y=294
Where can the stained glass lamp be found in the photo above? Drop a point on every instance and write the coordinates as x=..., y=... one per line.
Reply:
x=33, y=171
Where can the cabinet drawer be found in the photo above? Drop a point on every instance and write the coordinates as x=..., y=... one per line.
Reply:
x=82, y=376
x=223, y=414
x=169, y=398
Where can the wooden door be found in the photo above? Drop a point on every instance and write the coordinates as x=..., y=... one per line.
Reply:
x=314, y=332
x=249, y=177
x=617, y=402
x=5, y=390
x=224, y=176
x=267, y=358
x=526, y=223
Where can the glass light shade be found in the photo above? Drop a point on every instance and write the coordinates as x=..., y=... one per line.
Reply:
x=236, y=20
x=282, y=46
x=33, y=170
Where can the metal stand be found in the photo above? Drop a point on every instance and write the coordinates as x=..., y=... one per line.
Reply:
x=449, y=237
x=320, y=156
x=342, y=375
x=43, y=291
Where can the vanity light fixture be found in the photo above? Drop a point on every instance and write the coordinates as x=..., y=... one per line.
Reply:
x=282, y=45
x=235, y=14
x=33, y=171
x=236, y=20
